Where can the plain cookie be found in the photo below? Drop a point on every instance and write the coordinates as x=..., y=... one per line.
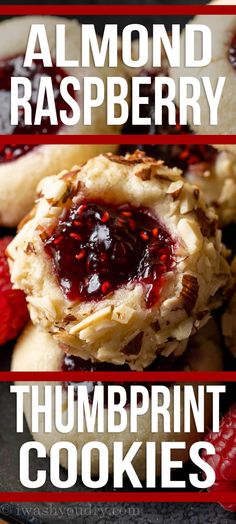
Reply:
x=21, y=173
x=223, y=63
x=217, y=181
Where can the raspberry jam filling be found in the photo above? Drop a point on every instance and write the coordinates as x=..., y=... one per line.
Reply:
x=97, y=248
x=12, y=67
x=175, y=155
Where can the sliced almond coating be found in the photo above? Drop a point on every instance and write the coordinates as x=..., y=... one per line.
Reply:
x=169, y=347
x=122, y=314
x=97, y=331
x=134, y=346
x=128, y=160
x=70, y=174
x=45, y=305
x=191, y=234
x=175, y=188
x=164, y=173
x=189, y=292
x=54, y=188
x=30, y=249
x=185, y=206
x=183, y=330
x=187, y=203
x=95, y=317
x=144, y=172
x=208, y=226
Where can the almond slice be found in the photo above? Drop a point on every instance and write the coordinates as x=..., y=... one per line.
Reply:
x=122, y=314
x=95, y=317
x=175, y=188
x=191, y=234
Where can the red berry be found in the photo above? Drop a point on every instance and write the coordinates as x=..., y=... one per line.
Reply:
x=224, y=460
x=13, y=309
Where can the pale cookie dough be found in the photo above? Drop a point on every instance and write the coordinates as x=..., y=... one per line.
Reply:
x=106, y=329
x=19, y=178
x=223, y=29
x=217, y=181
x=37, y=351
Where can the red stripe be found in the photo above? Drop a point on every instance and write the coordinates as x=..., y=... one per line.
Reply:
x=117, y=9
x=119, y=376
x=114, y=496
x=117, y=139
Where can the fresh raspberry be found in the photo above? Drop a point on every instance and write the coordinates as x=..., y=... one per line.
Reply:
x=224, y=460
x=13, y=309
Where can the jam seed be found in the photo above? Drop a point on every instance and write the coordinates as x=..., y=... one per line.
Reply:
x=163, y=258
x=76, y=236
x=155, y=232
x=58, y=240
x=144, y=235
x=106, y=287
x=105, y=217
x=81, y=209
x=81, y=255
x=126, y=213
